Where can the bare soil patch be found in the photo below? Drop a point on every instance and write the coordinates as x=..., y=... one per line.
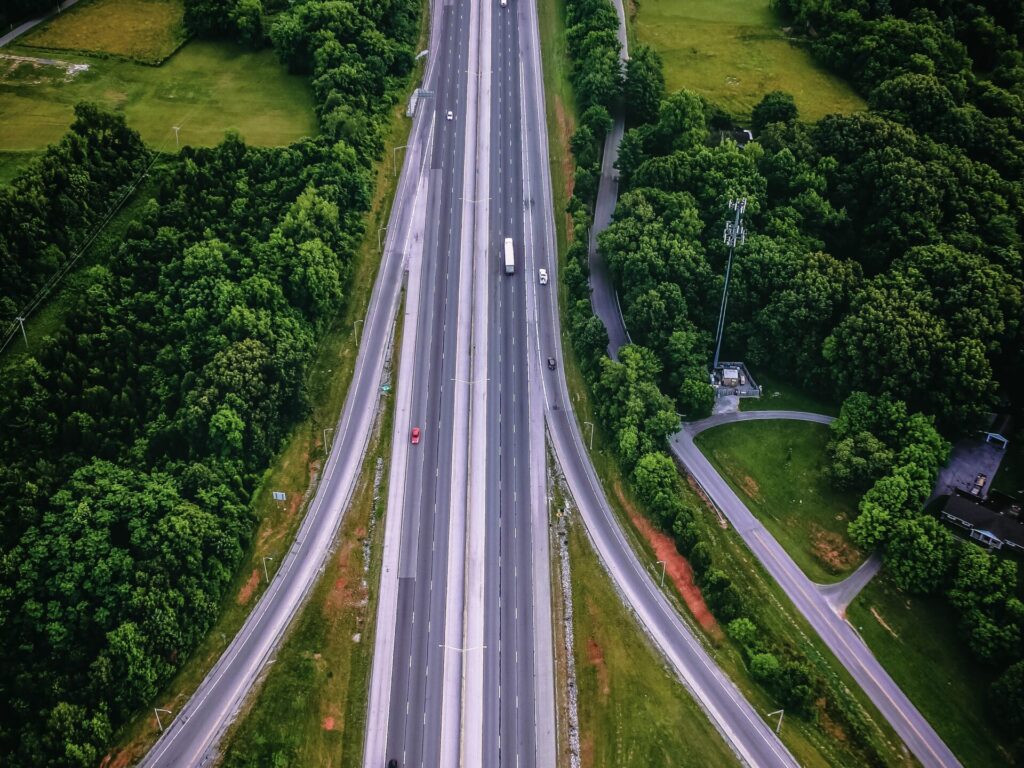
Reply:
x=595, y=655
x=677, y=568
x=833, y=549
x=246, y=592
x=751, y=488
x=880, y=620
x=830, y=726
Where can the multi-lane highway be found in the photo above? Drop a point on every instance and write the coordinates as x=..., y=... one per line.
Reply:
x=510, y=700
x=480, y=437
x=415, y=690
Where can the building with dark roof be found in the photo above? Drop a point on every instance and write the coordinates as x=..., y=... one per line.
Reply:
x=989, y=526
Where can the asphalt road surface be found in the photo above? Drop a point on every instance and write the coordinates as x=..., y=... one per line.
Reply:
x=431, y=503
x=512, y=710
x=834, y=630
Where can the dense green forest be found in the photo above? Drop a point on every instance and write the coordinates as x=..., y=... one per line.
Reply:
x=130, y=445
x=48, y=212
x=638, y=396
x=882, y=268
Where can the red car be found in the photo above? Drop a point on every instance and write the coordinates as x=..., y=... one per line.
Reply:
x=415, y=435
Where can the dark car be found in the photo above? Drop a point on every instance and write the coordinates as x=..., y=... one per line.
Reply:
x=551, y=363
x=392, y=763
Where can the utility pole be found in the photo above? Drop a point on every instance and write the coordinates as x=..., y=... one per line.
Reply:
x=394, y=159
x=176, y=129
x=591, y=425
x=265, y=571
x=734, y=235
x=780, y=713
x=662, y=564
x=21, y=322
x=157, y=713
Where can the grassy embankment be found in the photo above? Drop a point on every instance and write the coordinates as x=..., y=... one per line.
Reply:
x=813, y=744
x=779, y=470
x=205, y=88
x=301, y=457
x=916, y=640
x=735, y=51
x=632, y=709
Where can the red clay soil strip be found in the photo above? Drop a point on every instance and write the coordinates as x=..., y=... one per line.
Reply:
x=245, y=594
x=677, y=569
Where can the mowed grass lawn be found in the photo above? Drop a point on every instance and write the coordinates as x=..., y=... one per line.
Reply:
x=915, y=639
x=778, y=469
x=735, y=51
x=778, y=395
x=145, y=30
x=632, y=710
x=207, y=88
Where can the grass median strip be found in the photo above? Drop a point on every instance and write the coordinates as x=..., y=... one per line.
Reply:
x=779, y=469
x=633, y=711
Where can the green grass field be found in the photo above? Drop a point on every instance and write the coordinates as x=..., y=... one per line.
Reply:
x=778, y=468
x=632, y=710
x=206, y=88
x=735, y=51
x=144, y=30
x=13, y=163
x=777, y=395
x=915, y=640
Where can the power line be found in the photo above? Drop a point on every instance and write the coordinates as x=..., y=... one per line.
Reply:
x=735, y=234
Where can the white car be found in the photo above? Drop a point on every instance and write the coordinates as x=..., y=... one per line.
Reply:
x=450, y=115
x=542, y=276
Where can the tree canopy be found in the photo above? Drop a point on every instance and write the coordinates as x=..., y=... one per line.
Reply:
x=130, y=444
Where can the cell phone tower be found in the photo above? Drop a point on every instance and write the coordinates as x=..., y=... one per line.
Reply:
x=734, y=235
